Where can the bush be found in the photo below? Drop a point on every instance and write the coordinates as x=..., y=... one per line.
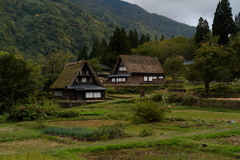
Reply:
x=110, y=131
x=146, y=132
x=4, y=117
x=172, y=97
x=30, y=112
x=147, y=110
x=68, y=113
x=157, y=97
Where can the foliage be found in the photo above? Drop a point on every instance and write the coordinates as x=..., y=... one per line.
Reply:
x=78, y=133
x=157, y=97
x=105, y=131
x=30, y=112
x=173, y=66
x=110, y=131
x=177, y=46
x=4, y=117
x=146, y=110
x=68, y=113
x=223, y=23
x=218, y=104
x=211, y=63
x=16, y=83
x=146, y=132
x=202, y=32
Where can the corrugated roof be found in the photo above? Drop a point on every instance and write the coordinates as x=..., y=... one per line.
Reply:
x=70, y=73
x=140, y=64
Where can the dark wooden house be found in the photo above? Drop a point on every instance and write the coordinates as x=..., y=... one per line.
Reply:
x=135, y=69
x=104, y=73
x=78, y=81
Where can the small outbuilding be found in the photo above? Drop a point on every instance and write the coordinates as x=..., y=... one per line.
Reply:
x=78, y=81
x=136, y=69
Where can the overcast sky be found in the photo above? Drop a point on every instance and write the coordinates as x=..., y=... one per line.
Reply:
x=185, y=11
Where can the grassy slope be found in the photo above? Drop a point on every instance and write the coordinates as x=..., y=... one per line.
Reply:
x=183, y=133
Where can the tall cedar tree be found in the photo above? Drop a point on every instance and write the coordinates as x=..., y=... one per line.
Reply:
x=83, y=53
x=223, y=23
x=133, y=38
x=119, y=43
x=237, y=21
x=202, y=31
x=95, y=49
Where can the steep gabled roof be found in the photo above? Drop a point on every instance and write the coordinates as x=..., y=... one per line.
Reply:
x=140, y=64
x=70, y=73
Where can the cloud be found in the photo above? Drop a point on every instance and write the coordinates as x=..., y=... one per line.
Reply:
x=185, y=11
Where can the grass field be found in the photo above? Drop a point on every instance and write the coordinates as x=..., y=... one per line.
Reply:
x=186, y=133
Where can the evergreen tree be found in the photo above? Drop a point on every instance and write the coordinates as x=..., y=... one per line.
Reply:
x=223, y=23
x=202, y=31
x=119, y=43
x=237, y=21
x=144, y=38
x=95, y=49
x=133, y=38
x=162, y=38
x=83, y=55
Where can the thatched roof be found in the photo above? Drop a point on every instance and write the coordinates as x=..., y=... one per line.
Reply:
x=70, y=73
x=140, y=64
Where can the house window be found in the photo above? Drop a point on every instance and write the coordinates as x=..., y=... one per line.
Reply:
x=58, y=93
x=160, y=77
x=76, y=79
x=145, y=78
x=87, y=73
x=113, y=80
x=90, y=79
x=150, y=78
x=84, y=79
x=122, y=68
x=93, y=94
x=80, y=73
x=154, y=77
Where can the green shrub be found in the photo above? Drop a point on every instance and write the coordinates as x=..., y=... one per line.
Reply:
x=110, y=131
x=4, y=117
x=147, y=110
x=173, y=97
x=68, y=113
x=30, y=112
x=146, y=132
x=157, y=97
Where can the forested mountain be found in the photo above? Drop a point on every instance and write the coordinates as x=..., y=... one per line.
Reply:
x=117, y=12
x=43, y=27
x=34, y=27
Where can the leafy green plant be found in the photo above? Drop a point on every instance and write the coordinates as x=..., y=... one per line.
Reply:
x=68, y=113
x=147, y=110
x=4, y=117
x=146, y=132
x=30, y=112
x=110, y=131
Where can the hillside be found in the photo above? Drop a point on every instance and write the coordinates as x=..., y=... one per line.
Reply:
x=43, y=27
x=117, y=12
x=35, y=27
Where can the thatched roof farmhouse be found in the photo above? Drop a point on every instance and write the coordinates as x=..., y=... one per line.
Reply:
x=78, y=81
x=136, y=69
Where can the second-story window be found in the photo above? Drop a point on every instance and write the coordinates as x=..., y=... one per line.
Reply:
x=122, y=68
